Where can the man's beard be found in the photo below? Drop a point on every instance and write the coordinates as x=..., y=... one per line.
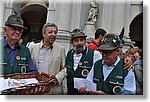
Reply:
x=79, y=49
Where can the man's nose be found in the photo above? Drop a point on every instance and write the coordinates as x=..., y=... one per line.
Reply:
x=17, y=31
x=53, y=34
x=79, y=42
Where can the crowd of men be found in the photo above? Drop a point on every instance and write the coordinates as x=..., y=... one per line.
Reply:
x=99, y=62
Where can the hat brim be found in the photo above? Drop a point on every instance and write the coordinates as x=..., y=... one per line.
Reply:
x=16, y=25
x=107, y=47
x=84, y=36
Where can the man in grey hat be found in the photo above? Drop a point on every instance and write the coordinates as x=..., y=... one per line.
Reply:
x=108, y=73
x=16, y=57
x=79, y=60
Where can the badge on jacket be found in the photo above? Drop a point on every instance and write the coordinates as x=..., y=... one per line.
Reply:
x=84, y=72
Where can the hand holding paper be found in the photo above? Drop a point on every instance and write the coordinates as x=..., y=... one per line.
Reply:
x=80, y=82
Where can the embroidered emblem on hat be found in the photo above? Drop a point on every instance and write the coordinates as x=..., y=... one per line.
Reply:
x=18, y=19
x=17, y=57
x=85, y=72
x=114, y=41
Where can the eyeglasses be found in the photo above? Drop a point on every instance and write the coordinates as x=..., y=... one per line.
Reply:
x=16, y=29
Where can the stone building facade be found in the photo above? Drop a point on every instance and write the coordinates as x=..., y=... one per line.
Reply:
x=112, y=15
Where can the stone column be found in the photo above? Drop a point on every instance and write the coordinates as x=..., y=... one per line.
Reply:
x=113, y=17
x=1, y=13
x=1, y=29
x=106, y=15
x=8, y=9
x=76, y=15
x=127, y=20
x=64, y=15
x=51, y=11
x=118, y=18
x=1, y=18
x=5, y=10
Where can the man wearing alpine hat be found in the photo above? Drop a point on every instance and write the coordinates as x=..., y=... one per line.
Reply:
x=79, y=60
x=15, y=58
x=108, y=73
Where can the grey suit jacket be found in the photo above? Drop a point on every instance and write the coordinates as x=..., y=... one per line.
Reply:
x=56, y=65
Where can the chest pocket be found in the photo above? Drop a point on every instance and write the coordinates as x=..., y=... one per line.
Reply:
x=22, y=64
x=84, y=68
x=115, y=85
x=119, y=82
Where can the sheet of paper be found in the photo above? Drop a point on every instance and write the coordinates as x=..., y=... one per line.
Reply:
x=80, y=82
x=3, y=84
x=27, y=81
x=11, y=83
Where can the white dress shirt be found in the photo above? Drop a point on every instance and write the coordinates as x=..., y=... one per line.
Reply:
x=77, y=58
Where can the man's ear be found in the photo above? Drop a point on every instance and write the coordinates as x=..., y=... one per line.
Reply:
x=43, y=33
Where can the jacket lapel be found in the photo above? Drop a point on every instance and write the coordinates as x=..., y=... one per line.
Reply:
x=37, y=52
x=53, y=53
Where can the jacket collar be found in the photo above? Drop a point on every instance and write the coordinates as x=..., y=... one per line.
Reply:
x=42, y=44
x=5, y=44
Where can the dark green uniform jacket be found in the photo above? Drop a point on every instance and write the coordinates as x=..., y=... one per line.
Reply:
x=83, y=68
x=114, y=81
x=20, y=63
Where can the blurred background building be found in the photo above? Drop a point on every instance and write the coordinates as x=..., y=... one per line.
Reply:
x=115, y=16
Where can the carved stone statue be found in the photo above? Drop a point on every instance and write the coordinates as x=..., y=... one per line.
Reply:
x=93, y=12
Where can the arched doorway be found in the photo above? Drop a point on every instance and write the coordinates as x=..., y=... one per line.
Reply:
x=136, y=30
x=34, y=14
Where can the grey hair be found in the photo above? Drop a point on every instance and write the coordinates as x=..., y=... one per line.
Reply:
x=49, y=25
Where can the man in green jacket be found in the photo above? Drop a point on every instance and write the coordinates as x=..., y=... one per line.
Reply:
x=15, y=57
x=108, y=73
x=79, y=60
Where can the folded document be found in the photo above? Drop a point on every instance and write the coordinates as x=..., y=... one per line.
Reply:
x=80, y=82
x=12, y=83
